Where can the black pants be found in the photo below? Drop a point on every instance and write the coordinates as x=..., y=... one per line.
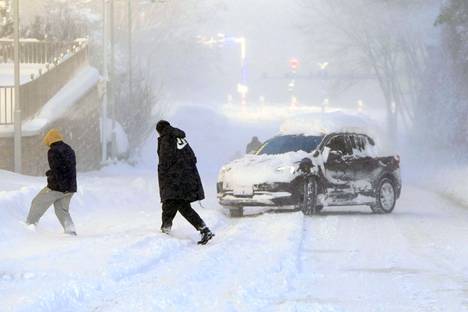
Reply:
x=169, y=211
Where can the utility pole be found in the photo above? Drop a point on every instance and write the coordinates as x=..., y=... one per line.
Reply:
x=130, y=52
x=112, y=81
x=106, y=81
x=17, y=121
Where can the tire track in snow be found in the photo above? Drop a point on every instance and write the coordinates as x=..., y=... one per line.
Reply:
x=245, y=268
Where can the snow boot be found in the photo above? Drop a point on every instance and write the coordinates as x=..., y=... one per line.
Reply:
x=71, y=233
x=165, y=229
x=29, y=226
x=206, y=235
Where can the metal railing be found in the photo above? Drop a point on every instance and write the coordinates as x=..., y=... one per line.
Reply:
x=43, y=85
x=7, y=105
x=33, y=51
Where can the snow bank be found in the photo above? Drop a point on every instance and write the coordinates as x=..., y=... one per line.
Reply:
x=96, y=194
x=450, y=183
x=74, y=90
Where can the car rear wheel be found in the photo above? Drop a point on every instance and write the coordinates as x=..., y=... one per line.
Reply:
x=386, y=197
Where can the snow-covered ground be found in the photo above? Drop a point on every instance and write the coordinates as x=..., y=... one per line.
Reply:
x=414, y=259
x=8, y=79
x=451, y=183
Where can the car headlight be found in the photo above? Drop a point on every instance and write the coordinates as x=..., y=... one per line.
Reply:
x=222, y=172
x=289, y=169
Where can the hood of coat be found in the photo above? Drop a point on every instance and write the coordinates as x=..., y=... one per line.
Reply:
x=169, y=130
x=53, y=136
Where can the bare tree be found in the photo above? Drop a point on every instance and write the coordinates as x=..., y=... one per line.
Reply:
x=382, y=37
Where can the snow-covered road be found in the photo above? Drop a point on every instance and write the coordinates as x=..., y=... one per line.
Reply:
x=415, y=259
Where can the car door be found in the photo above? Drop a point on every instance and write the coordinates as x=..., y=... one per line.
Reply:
x=338, y=173
x=362, y=164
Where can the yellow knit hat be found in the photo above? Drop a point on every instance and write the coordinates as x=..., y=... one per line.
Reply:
x=52, y=137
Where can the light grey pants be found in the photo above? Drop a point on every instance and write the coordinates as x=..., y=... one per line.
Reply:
x=61, y=202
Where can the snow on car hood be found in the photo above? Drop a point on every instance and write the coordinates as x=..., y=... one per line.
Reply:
x=257, y=169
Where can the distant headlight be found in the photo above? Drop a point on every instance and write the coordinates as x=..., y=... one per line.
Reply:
x=289, y=169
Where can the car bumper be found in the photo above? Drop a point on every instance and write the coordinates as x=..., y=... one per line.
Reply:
x=257, y=199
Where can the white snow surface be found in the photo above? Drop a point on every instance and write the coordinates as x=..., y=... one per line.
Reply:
x=7, y=77
x=346, y=259
x=449, y=182
x=412, y=260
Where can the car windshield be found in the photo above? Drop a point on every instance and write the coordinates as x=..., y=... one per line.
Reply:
x=289, y=143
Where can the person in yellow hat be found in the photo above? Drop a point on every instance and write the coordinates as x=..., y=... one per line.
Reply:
x=61, y=183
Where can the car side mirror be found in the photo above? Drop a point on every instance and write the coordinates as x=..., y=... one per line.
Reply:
x=316, y=154
x=306, y=165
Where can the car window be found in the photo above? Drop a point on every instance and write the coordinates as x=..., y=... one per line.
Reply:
x=369, y=146
x=358, y=144
x=289, y=143
x=361, y=142
x=362, y=146
x=340, y=143
x=353, y=142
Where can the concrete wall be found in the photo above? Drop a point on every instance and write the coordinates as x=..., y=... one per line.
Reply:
x=81, y=130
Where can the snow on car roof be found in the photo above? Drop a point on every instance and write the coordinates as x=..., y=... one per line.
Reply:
x=329, y=122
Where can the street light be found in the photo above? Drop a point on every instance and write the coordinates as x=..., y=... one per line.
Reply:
x=325, y=103
x=219, y=40
x=294, y=65
x=360, y=105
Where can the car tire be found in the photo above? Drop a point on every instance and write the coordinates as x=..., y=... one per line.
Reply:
x=309, y=203
x=236, y=212
x=386, y=197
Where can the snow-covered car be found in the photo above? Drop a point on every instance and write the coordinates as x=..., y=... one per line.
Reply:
x=308, y=172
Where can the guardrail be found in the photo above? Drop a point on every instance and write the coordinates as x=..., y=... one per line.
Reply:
x=44, y=85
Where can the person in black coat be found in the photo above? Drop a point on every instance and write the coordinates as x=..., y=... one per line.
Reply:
x=179, y=180
x=61, y=183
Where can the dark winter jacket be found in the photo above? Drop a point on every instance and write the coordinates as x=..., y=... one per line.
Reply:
x=177, y=170
x=62, y=174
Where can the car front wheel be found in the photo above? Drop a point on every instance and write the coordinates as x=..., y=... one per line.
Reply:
x=309, y=204
x=385, y=197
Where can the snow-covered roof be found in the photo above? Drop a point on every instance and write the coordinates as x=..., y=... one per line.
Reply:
x=329, y=122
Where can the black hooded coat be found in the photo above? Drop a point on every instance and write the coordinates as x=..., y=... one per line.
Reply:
x=177, y=170
x=62, y=174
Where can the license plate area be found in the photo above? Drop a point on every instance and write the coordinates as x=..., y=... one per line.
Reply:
x=243, y=191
